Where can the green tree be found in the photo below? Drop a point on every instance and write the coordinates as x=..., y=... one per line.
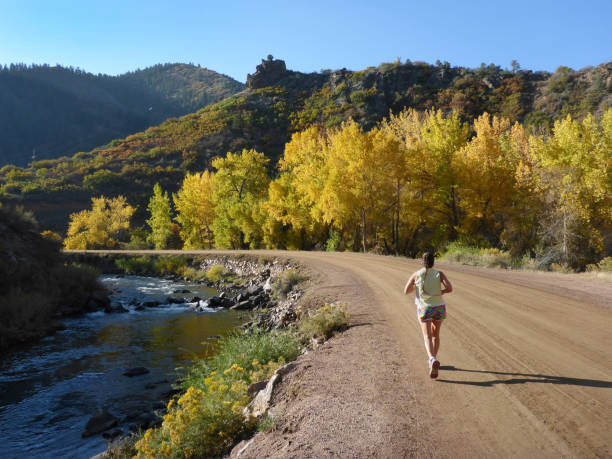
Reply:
x=240, y=188
x=160, y=221
x=426, y=201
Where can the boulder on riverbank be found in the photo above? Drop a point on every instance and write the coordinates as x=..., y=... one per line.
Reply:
x=220, y=302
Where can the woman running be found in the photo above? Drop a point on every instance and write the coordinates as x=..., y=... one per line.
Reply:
x=431, y=310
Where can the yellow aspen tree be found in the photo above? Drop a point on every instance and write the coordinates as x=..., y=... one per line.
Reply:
x=574, y=178
x=357, y=179
x=196, y=210
x=522, y=214
x=487, y=171
x=102, y=226
x=426, y=182
x=292, y=197
x=305, y=160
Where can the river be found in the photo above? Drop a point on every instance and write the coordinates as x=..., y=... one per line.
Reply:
x=49, y=390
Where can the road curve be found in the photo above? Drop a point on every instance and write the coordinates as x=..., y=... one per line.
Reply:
x=526, y=370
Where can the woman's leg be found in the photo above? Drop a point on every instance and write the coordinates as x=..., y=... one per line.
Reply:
x=428, y=337
x=436, y=336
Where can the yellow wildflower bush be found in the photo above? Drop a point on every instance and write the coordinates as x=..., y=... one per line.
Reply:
x=203, y=422
x=261, y=372
x=207, y=420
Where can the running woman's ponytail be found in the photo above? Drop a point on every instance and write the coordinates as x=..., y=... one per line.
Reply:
x=428, y=262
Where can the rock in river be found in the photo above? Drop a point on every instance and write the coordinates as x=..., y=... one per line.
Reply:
x=171, y=300
x=151, y=304
x=137, y=371
x=115, y=307
x=99, y=422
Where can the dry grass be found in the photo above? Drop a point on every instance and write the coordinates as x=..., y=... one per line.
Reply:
x=323, y=322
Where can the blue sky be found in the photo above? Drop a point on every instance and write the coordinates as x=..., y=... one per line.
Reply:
x=108, y=36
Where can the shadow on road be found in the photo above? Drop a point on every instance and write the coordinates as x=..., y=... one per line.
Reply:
x=522, y=378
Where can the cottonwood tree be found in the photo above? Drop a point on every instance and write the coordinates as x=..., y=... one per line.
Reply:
x=196, y=210
x=357, y=184
x=487, y=179
x=102, y=226
x=574, y=178
x=240, y=188
x=426, y=209
x=295, y=219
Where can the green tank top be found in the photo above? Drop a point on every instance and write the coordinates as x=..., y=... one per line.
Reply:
x=429, y=287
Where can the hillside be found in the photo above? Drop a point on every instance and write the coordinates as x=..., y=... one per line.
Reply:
x=37, y=284
x=278, y=102
x=54, y=111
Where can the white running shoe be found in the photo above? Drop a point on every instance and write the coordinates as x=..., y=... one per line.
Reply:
x=434, y=365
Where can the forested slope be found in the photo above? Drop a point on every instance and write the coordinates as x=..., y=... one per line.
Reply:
x=53, y=111
x=279, y=102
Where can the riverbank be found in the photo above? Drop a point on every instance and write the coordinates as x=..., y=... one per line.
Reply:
x=226, y=398
x=38, y=285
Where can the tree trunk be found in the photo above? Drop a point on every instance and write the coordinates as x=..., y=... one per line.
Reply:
x=397, y=218
x=454, y=215
x=565, y=257
x=363, y=231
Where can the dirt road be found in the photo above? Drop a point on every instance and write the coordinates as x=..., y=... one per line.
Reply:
x=526, y=369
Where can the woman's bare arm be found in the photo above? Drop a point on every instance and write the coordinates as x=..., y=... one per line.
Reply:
x=446, y=283
x=410, y=285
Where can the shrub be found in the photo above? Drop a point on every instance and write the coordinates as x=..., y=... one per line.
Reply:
x=457, y=252
x=494, y=258
x=561, y=268
x=284, y=282
x=135, y=265
x=207, y=419
x=604, y=265
x=194, y=274
x=122, y=449
x=324, y=321
x=138, y=240
x=169, y=265
x=244, y=349
x=333, y=242
x=204, y=422
x=101, y=180
x=216, y=273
